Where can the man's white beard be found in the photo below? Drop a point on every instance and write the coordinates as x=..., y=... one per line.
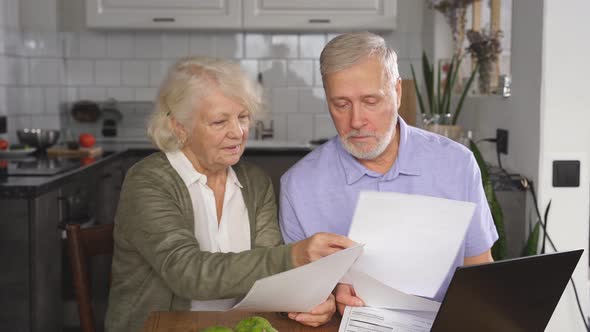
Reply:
x=382, y=142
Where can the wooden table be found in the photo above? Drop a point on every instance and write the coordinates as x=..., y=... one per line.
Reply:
x=194, y=321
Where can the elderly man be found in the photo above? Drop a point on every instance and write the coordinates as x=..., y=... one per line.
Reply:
x=375, y=150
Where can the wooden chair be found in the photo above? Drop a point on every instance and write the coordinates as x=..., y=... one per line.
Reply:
x=82, y=245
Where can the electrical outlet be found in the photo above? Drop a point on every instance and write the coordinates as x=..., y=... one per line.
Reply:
x=502, y=141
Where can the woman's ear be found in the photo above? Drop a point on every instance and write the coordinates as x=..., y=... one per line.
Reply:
x=179, y=131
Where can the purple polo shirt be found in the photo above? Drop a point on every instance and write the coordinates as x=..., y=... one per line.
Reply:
x=320, y=192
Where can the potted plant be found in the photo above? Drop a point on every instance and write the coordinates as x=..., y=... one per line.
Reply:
x=437, y=113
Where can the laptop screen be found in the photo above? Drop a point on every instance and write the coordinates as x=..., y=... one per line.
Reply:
x=512, y=295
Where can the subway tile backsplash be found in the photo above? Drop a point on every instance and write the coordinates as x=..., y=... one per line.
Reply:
x=42, y=72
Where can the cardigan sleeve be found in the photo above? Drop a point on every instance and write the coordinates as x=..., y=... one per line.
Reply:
x=151, y=220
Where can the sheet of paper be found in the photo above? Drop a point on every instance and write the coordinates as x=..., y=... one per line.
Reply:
x=367, y=319
x=411, y=240
x=378, y=295
x=300, y=289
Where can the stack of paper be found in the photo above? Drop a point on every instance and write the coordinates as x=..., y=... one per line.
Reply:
x=411, y=243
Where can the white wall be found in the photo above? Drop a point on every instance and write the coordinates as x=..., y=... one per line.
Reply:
x=565, y=115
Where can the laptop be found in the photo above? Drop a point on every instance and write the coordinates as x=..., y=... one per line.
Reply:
x=512, y=295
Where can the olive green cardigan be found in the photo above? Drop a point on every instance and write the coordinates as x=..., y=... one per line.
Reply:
x=157, y=263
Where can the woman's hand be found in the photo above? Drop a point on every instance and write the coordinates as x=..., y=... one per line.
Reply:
x=318, y=246
x=319, y=315
x=345, y=295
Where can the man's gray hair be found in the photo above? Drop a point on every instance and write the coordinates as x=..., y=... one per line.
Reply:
x=188, y=81
x=348, y=49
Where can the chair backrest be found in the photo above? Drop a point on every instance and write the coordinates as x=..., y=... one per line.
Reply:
x=83, y=244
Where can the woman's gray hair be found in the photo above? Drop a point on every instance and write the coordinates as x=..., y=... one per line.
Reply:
x=188, y=81
x=348, y=49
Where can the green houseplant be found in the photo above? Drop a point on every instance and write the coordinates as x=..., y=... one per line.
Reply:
x=499, y=248
x=436, y=107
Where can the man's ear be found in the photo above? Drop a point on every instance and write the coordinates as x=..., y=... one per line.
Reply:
x=398, y=91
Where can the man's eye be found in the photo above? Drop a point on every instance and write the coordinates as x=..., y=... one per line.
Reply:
x=220, y=122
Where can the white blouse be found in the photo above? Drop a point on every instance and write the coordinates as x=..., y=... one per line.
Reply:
x=231, y=234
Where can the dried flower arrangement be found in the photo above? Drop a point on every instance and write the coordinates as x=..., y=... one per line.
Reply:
x=454, y=11
x=485, y=46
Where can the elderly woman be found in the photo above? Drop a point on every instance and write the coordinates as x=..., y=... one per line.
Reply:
x=195, y=227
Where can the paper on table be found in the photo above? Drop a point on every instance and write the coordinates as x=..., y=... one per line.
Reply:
x=411, y=240
x=300, y=289
x=369, y=319
x=376, y=294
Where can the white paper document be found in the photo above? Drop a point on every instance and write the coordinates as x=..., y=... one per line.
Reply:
x=376, y=294
x=300, y=289
x=366, y=319
x=411, y=240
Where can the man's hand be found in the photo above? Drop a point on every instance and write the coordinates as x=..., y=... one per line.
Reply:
x=345, y=295
x=319, y=315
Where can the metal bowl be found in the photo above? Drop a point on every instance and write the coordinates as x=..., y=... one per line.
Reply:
x=38, y=138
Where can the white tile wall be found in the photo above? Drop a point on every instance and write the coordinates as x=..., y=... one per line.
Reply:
x=79, y=72
x=93, y=45
x=300, y=127
x=324, y=127
x=300, y=73
x=201, y=43
x=285, y=100
x=148, y=45
x=45, y=71
x=274, y=73
x=229, y=45
x=311, y=45
x=175, y=45
x=135, y=73
x=120, y=45
x=108, y=72
x=53, y=68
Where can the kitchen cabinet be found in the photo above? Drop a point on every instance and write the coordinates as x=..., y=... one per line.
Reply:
x=164, y=14
x=32, y=261
x=249, y=15
x=37, y=287
x=322, y=15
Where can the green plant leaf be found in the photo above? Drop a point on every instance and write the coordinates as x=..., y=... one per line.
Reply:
x=448, y=88
x=428, y=81
x=420, y=101
x=532, y=243
x=499, y=248
x=465, y=90
x=438, y=94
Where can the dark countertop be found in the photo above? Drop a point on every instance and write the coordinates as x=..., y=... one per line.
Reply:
x=30, y=186
x=19, y=187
